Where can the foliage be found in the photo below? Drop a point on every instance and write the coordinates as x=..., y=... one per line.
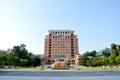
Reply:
x=118, y=50
x=83, y=59
x=93, y=53
x=117, y=59
x=114, y=49
x=20, y=51
x=112, y=60
x=105, y=61
x=86, y=58
x=97, y=61
x=3, y=59
x=19, y=56
x=110, y=57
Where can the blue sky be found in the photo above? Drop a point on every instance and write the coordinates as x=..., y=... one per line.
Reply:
x=96, y=22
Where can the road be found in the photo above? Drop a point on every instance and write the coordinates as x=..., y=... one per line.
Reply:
x=59, y=73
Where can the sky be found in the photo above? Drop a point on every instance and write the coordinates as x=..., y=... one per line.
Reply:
x=95, y=22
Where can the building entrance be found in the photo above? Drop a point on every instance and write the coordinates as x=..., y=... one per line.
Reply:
x=61, y=60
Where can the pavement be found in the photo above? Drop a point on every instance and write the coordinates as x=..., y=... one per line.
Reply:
x=58, y=73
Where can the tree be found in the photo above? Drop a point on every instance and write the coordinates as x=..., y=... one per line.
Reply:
x=17, y=61
x=89, y=63
x=20, y=51
x=3, y=59
x=112, y=60
x=118, y=50
x=97, y=61
x=23, y=62
x=34, y=60
x=30, y=54
x=105, y=61
x=10, y=59
x=84, y=58
x=19, y=56
x=114, y=50
x=117, y=59
x=93, y=53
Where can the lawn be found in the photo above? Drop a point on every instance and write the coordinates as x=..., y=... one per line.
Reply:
x=76, y=69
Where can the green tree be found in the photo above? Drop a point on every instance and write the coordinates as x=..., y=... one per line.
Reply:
x=23, y=62
x=19, y=56
x=105, y=61
x=118, y=50
x=114, y=49
x=84, y=58
x=93, y=53
x=89, y=63
x=97, y=61
x=117, y=59
x=35, y=61
x=20, y=51
x=112, y=60
x=17, y=61
x=30, y=54
x=11, y=59
x=3, y=59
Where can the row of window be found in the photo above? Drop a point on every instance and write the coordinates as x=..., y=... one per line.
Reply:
x=66, y=37
x=61, y=46
x=67, y=44
x=61, y=60
x=57, y=44
x=60, y=32
x=60, y=55
x=60, y=52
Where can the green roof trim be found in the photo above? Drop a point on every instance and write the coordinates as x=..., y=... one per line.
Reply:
x=99, y=53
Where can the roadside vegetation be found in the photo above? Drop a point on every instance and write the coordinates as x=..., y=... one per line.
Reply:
x=18, y=57
x=109, y=58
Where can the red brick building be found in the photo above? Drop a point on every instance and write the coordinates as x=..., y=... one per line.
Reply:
x=60, y=45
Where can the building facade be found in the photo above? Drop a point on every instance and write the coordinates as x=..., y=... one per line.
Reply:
x=60, y=45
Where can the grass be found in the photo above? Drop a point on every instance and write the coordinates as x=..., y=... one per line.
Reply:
x=59, y=68
x=29, y=69
x=77, y=69
x=94, y=68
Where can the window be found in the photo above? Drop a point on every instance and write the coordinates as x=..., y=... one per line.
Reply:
x=49, y=60
x=69, y=61
x=68, y=37
x=49, y=56
x=72, y=55
x=73, y=60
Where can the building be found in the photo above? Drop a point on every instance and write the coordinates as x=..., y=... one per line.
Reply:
x=104, y=53
x=60, y=45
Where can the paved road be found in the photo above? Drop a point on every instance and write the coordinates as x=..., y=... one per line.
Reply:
x=59, y=73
